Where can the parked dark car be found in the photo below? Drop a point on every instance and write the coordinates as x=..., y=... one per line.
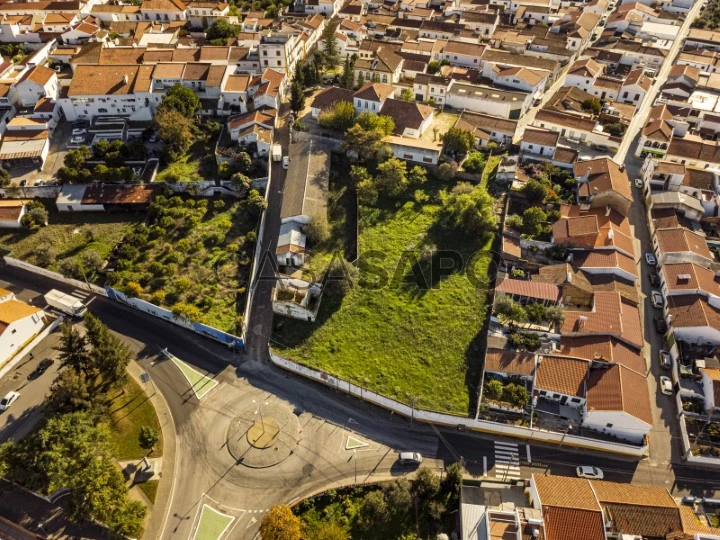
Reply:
x=654, y=280
x=41, y=368
x=661, y=326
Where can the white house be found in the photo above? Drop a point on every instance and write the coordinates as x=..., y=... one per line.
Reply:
x=253, y=128
x=19, y=323
x=371, y=97
x=35, y=84
x=693, y=319
x=711, y=387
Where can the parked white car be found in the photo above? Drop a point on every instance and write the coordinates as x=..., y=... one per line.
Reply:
x=8, y=400
x=666, y=385
x=286, y=162
x=650, y=259
x=410, y=458
x=77, y=140
x=657, y=299
x=590, y=472
x=79, y=131
x=638, y=183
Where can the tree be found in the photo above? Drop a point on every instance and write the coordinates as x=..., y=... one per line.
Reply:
x=433, y=67
x=109, y=356
x=398, y=495
x=535, y=312
x=180, y=99
x=516, y=394
x=365, y=186
x=71, y=393
x=73, y=353
x=535, y=191
x=176, y=130
x=297, y=97
x=475, y=163
x=347, y=79
x=518, y=313
x=453, y=481
x=36, y=216
x=317, y=230
x=426, y=485
x=407, y=94
x=392, y=176
x=494, y=389
x=592, y=104
x=243, y=162
x=514, y=221
x=458, y=141
x=340, y=116
x=469, y=208
x=617, y=129
x=417, y=175
x=534, y=219
x=281, y=524
x=330, y=46
x=5, y=178
x=555, y=315
x=241, y=183
x=374, y=509
x=330, y=530
x=256, y=203
x=365, y=144
x=503, y=305
x=447, y=171
x=76, y=158
x=371, y=121
x=222, y=29
x=187, y=311
x=148, y=438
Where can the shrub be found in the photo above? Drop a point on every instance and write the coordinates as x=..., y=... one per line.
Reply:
x=536, y=312
x=474, y=163
x=133, y=289
x=516, y=394
x=517, y=273
x=494, y=389
x=317, y=230
x=514, y=221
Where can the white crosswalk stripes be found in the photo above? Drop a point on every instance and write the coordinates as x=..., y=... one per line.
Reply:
x=80, y=295
x=507, y=461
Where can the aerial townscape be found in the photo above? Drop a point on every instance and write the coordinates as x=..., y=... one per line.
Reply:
x=360, y=269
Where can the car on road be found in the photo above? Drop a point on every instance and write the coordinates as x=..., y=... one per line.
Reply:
x=410, y=458
x=8, y=400
x=666, y=385
x=664, y=359
x=638, y=183
x=650, y=259
x=41, y=368
x=654, y=279
x=286, y=162
x=657, y=299
x=660, y=325
x=600, y=148
x=590, y=472
x=77, y=140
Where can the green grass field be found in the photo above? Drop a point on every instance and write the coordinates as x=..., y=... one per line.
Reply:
x=150, y=488
x=402, y=339
x=129, y=411
x=212, y=524
x=67, y=236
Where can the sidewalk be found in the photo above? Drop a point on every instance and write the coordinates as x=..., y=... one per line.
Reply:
x=157, y=512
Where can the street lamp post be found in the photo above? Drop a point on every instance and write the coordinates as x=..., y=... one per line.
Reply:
x=355, y=460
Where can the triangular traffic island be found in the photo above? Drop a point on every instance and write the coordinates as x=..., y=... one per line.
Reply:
x=353, y=443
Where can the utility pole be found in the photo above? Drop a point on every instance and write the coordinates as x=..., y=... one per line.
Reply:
x=355, y=460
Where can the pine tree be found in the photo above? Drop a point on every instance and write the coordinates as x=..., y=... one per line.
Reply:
x=332, y=55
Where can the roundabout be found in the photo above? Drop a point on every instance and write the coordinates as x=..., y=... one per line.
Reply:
x=263, y=435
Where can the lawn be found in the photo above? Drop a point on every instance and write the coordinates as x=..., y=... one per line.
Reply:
x=150, y=488
x=194, y=253
x=395, y=335
x=491, y=167
x=129, y=411
x=67, y=237
x=212, y=524
x=197, y=165
x=201, y=384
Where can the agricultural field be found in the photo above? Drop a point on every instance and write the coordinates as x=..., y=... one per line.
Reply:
x=402, y=330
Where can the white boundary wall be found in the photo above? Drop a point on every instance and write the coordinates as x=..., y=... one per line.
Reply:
x=430, y=417
x=55, y=275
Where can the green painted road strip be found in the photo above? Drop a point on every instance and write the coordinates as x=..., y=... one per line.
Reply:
x=200, y=384
x=353, y=443
x=212, y=524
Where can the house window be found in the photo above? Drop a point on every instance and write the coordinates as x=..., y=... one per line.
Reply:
x=407, y=156
x=265, y=63
x=427, y=160
x=277, y=53
x=14, y=330
x=625, y=94
x=264, y=53
x=637, y=96
x=530, y=146
x=608, y=425
x=575, y=400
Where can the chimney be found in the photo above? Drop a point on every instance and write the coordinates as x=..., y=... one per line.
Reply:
x=581, y=322
x=611, y=234
x=125, y=79
x=569, y=277
x=607, y=210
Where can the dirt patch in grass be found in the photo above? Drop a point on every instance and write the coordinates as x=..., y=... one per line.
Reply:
x=405, y=330
x=129, y=411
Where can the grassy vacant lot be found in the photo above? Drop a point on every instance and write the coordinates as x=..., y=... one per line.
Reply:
x=68, y=236
x=394, y=334
x=198, y=164
x=129, y=411
x=194, y=253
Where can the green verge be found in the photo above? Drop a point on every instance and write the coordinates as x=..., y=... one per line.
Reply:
x=150, y=488
x=401, y=340
x=212, y=524
x=201, y=384
x=129, y=411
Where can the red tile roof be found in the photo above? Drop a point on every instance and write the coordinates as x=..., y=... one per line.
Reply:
x=566, y=492
x=692, y=310
x=573, y=524
x=690, y=277
x=603, y=349
x=531, y=289
x=563, y=375
x=502, y=361
x=619, y=389
x=612, y=315
x=680, y=239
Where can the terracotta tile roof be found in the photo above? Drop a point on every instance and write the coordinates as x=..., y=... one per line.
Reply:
x=327, y=97
x=511, y=246
x=563, y=375
x=603, y=175
x=162, y=5
x=680, y=239
x=565, y=492
x=621, y=493
x=168, y=71
x=692, y=310
x=90, y=80
x=619, y=389
x=483, y=123
x=406, y=114
x=690, y=277
x=586, y=67
x=504, y=361
x=264, y=116
x=118, y=194
x=573, y=524
x=644, y=521
x=10, y=211
x=531, y=289
x=602, y=348
x=692, y=525
x=668, y=167
x=605, y=259
x=39, y=75
x=611, y=315
x=565, y=119
x=610, y=282
x=374, y=92
x=562, y=274
x=541, y=136
x=702, y=150
x=14, y=310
